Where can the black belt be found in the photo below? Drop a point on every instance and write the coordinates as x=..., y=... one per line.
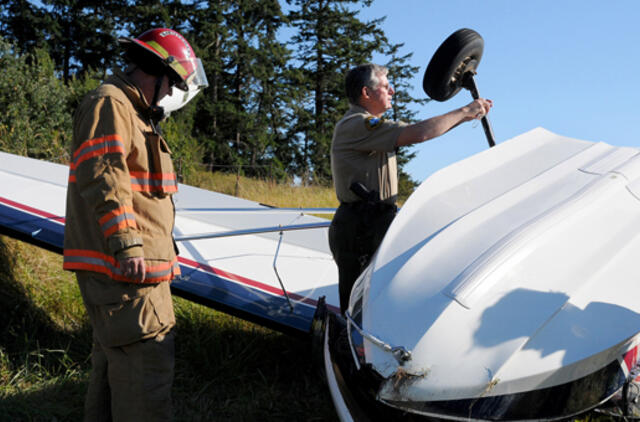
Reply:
x=369, y=205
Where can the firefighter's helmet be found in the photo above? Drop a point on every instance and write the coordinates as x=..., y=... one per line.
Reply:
x=163, y=51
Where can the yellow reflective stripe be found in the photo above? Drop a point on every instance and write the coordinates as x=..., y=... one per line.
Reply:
x=164, y=53
x=175, y=65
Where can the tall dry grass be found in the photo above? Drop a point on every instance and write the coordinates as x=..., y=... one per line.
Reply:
x=267, y=192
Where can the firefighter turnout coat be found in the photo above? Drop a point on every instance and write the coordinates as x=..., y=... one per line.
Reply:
x=121, y=181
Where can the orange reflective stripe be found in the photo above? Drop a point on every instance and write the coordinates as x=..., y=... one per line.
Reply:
x=87, y=260
x=118, y=226
x=89, y=155
x=153, y=182
x=86, y=253
x=114, y=213
x=149, y=189
x=120, y=218
x=158, y=273
x=153, y=176
x=92, y=142
x=97, y=146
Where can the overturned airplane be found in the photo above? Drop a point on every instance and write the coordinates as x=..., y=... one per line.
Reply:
x=505, y=289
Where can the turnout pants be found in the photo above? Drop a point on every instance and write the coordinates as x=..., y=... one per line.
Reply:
x=356, y=231
x=133, y=349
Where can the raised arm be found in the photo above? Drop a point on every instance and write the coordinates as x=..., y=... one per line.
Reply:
x=439, y=125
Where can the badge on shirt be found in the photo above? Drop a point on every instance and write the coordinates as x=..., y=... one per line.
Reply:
x=373, y=122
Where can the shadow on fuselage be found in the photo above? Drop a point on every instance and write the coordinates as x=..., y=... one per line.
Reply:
x=549, y=322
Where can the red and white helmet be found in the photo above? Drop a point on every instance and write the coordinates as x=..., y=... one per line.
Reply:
x=164, y=51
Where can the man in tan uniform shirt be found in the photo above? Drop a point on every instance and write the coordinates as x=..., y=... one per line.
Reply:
x=118, y=232
x=363, y=164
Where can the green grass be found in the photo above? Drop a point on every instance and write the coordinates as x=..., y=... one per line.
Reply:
x=227, y=369
x=44, y=337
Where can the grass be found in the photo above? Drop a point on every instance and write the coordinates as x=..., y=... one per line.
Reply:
x=227, y=369
x=45, y=338
x=265, y=191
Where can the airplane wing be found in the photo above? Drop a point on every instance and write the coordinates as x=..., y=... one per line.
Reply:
x=264, y=264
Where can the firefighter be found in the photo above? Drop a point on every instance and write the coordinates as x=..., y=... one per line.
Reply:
x=363, y=165
x=119, y=220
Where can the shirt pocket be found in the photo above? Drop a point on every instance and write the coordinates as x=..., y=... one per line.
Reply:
x=161, y=179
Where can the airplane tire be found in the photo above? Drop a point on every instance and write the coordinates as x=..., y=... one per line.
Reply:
x=457, y=55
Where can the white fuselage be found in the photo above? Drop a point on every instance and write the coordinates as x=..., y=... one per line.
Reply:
x=513, y=270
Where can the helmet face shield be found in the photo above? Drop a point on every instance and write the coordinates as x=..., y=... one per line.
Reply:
x=197, y=81
x=199, y=76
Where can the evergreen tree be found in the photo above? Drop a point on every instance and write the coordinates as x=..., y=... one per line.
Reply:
x=79, y=35
x=330, y=39
x=267, y=91
x=35, y=119
x=268, y=104
x=140, y=15
x=82, y=34
x=210, y=33
x=23, y=24
x=242, y=119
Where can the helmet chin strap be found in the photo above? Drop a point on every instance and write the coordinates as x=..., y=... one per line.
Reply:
x=156, y=113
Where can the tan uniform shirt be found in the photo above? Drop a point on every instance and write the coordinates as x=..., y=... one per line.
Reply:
x=121, y=179
x=363, y=150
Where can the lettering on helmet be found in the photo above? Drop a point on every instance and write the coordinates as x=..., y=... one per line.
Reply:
x=187, y=47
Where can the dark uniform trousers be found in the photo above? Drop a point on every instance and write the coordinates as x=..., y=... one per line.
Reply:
x=355, y=233
x=133, y=350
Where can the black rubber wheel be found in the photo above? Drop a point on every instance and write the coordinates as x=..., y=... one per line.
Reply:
x=457, y=55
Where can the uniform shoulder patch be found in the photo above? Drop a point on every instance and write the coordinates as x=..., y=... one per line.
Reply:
x=373, y=122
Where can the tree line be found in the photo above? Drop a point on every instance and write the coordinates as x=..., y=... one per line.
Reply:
x=275, y=69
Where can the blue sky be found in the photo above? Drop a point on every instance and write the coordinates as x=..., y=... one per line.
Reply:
x=569, y=66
